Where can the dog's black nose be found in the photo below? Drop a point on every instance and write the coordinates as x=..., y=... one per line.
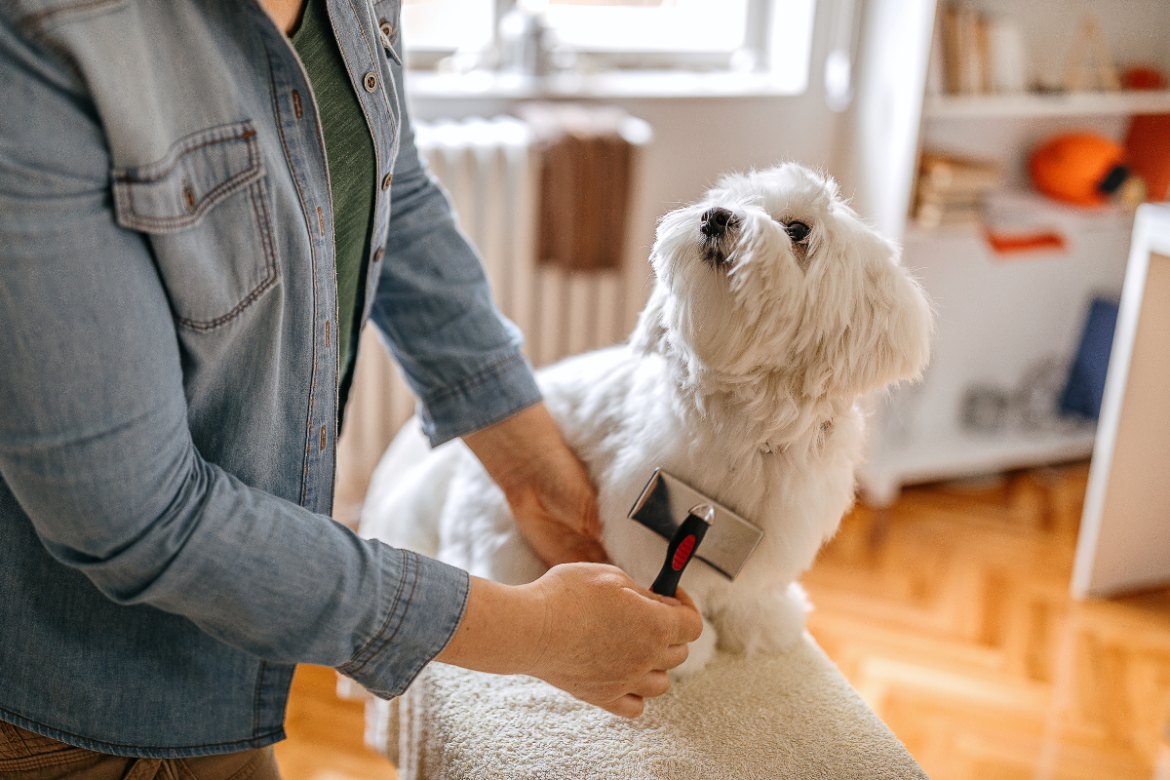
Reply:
x=713, y=223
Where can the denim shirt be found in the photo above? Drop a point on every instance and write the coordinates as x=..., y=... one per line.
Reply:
x=169, y=372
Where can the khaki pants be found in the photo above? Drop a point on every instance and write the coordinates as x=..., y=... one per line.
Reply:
x=28, y=756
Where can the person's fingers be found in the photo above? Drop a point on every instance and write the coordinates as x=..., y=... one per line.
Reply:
x=628, y=706
x=685, y=621
x=675, y=655
x=655, y=683
x=685, y=598
x=690, y=622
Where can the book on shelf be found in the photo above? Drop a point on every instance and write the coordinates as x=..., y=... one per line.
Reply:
x=949, y=173
x=931, y=215
x=951, y=201
x=981, y=54
x=950, y=189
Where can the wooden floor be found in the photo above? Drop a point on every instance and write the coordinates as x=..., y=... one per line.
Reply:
x=950, y=614
x=325, y=733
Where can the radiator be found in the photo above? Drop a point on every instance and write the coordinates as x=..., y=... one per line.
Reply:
x=491, y=171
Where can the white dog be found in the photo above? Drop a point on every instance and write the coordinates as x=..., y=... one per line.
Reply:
x=775, y=309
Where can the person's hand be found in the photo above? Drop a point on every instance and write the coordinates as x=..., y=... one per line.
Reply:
x=587, y=629
x=608, y=641
x=546, y=485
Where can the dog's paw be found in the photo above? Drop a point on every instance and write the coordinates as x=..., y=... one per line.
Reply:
x=768, y=622
x=699, y=653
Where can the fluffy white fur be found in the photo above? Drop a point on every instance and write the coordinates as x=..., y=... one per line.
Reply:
x=742, y=378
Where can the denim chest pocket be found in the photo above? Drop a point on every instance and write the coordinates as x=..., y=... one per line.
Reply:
x=205, y=207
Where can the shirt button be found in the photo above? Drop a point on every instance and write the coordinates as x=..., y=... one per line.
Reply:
x=386, y=181
x=387, y=30
x=322, y=437
x=378, y=255
x=370, y=82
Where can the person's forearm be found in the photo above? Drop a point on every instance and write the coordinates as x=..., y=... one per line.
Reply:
x=501, y=629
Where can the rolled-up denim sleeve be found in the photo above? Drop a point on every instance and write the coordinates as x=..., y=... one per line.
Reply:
x=460, y=355
x=94, y=438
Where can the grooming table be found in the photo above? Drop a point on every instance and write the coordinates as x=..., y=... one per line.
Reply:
x=790, y=716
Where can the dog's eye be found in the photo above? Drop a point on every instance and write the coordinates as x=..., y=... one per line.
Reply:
x=797, y=231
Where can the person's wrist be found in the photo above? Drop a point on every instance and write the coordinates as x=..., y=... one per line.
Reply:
x=540, y=618
x=505, y=629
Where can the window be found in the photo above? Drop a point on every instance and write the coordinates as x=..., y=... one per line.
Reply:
x=447, y=25
x=706, y=35
x=649, y=25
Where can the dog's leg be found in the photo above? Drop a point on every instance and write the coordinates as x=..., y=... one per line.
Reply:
x=770, y=621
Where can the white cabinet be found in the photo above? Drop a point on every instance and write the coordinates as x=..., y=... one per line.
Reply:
x=1124, y=543
x=1007, y=326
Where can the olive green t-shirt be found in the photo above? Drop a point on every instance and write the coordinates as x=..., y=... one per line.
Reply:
x=349, y=150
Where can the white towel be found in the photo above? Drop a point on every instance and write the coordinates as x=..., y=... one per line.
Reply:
x=791, y=716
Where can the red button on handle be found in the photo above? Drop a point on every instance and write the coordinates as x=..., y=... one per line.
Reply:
x=683, y=553
x=681, y=549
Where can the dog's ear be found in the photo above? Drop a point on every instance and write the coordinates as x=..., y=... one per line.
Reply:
x=888, y=323
x=650, y=333
x=902, y=333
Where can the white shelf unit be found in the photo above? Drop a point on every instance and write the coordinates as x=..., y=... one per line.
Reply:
x=1046, y=105
x=1002, y=319
x=1008, y=324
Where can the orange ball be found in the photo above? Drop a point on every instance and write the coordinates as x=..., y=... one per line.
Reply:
x=1074, y=167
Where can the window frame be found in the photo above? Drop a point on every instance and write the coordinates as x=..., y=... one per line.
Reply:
x=755, y=54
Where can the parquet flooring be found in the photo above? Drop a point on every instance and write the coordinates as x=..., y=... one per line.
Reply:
x=950, y=613
x=326, y=733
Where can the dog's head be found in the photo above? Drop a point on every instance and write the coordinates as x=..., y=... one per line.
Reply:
x=772, y=273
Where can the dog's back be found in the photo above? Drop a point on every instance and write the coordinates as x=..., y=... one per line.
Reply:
x=407, y=493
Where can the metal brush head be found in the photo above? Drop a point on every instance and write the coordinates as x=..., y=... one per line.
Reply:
x=665, y=503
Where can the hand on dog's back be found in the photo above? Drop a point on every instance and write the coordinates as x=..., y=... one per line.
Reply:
x=586, y=628
x=547, y=487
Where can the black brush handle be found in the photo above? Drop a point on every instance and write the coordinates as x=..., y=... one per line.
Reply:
x=679, y=553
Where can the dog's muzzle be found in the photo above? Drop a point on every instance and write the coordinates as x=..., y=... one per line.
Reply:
x=714, y=222
x=717, y=225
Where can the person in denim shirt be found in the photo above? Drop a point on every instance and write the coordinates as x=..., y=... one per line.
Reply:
x=169, y=393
